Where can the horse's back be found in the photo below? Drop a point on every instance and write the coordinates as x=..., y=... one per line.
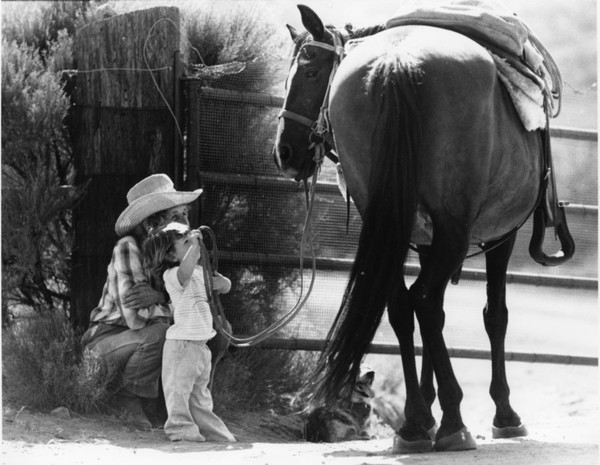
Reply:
x=473, y=147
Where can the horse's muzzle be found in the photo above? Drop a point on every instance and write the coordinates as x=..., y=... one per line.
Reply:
x=283, y=155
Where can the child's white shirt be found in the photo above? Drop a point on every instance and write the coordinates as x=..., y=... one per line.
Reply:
x=191, y=310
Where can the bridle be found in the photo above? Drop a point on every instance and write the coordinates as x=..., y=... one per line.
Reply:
x=321, y=127
x=322, y=130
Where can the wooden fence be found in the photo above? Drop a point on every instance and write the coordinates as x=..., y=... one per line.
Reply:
x=127, y=87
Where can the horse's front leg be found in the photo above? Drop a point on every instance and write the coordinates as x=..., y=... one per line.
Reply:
x=413, y=436
x=495, y=316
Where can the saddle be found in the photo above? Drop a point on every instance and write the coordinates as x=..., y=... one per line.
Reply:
x=524, y=65
x=533, y=80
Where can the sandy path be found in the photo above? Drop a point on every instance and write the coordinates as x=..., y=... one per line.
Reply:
x=558, y=403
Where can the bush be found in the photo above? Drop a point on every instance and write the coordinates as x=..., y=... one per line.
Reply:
x=236, y=34
x=258, y=379
x=40, y=24
x=37, y=170
x=222, y=35
x=42, y=368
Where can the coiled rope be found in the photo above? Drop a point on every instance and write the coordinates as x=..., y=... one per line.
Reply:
x=553, y=76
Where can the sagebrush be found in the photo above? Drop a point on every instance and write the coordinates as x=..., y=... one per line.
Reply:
x=42, y=368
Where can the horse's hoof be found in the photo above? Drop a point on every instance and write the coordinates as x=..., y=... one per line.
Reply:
x=402, y=446
x=509, y=432
x=461, y=440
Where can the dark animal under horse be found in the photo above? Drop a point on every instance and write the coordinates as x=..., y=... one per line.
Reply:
x=434, y=154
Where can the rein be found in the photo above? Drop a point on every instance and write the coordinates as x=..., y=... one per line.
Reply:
x=320, y=128
x=210, y=265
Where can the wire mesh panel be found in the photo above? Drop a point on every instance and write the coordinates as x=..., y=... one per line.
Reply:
x=258, y=216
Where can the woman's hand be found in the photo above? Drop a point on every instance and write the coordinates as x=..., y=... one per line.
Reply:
x=142, y=295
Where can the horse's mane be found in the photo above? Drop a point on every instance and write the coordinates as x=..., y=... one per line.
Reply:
x=364, y=31
x=347, y=33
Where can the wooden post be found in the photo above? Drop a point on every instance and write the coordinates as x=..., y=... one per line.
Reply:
x=124, y=131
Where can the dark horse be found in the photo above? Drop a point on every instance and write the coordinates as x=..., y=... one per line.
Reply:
x=434, y=154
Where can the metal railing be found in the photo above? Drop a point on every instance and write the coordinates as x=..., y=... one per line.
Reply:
x=270, y=182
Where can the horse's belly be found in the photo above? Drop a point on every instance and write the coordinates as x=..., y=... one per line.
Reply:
x=497, y=221
x=493, y=223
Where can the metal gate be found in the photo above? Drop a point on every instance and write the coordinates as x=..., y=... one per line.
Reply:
x=230, y=139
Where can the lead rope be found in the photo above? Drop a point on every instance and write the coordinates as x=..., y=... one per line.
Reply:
x=210, y=267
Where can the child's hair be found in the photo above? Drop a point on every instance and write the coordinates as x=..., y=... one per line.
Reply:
x=156, y=251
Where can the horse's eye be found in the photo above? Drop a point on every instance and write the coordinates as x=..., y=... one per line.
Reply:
x=311, y=73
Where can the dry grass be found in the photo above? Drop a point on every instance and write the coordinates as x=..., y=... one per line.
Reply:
x=42, y=368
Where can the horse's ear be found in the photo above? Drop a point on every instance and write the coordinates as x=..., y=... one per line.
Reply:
x=293, y=32
x=312, y=23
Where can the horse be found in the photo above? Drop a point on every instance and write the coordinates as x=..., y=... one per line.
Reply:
x=436, y=158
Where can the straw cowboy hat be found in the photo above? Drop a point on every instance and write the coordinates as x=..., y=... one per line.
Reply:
x=151, y=195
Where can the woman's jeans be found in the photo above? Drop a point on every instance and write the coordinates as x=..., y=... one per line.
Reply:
x=185, y=376
x=136, y=355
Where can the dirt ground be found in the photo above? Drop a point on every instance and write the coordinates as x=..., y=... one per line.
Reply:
x=558, y=403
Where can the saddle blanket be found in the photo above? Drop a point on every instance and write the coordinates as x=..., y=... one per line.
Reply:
x=524, y=78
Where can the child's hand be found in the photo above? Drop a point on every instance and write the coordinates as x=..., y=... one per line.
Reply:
x=195, y=237
x=192, y=256
x=221, y=284
x=196, y=234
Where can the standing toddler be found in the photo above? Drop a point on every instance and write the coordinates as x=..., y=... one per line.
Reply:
x=172, y=254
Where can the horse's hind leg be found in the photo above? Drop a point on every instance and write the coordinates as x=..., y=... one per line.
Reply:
x=426, y=383
x=495, y=316
x=446, y=254
x=413, y=436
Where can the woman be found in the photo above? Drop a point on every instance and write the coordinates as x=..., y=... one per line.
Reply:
x=127, y=328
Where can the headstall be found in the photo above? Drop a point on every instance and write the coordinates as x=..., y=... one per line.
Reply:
x=321, y=127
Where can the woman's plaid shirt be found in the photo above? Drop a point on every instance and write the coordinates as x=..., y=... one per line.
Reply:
x=125, y=270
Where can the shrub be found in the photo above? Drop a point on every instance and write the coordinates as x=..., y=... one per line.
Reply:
x=257, y=379
x=40, y=24
x=42, y=369
x=237, y=33
x=37, y=168
x=222, y=35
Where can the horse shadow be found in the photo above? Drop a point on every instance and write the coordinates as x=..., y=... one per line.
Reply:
x=492, y=452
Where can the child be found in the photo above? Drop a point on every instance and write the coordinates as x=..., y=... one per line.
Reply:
x=172, y=254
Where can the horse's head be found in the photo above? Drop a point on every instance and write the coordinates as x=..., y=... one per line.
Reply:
x=303, y=129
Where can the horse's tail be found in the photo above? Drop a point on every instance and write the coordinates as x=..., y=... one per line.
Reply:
x=378, y=268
